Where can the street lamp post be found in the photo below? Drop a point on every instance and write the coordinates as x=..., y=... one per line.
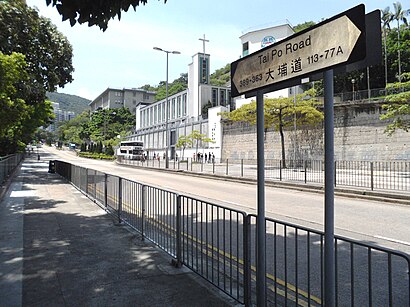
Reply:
x=167, y=107
x=353, y=82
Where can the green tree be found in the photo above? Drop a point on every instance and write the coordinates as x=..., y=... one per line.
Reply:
x=176, y=86
x=101, y=126
x=183, y=142
x=303, y=26
x=93, y=12
x=48, y=53
x=399, y=15
x=75, y=130
x=221, y=76
x=198, y=138
x=398, y=110
x=281, y=113
x=13, y=107
x=386, y=18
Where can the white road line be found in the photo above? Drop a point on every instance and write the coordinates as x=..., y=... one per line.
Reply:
x=393, y=240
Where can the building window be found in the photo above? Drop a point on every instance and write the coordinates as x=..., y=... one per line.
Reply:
x=229, y=97
x=163, y=111
x=184, y=104
x=203, y=70
x=146, y=96
x=214, y=97
x=222, y=97
x=173, y=108
x=134, y=94
x=245, y=48
x=179, y=106
x=155, y=114
x=134, y=101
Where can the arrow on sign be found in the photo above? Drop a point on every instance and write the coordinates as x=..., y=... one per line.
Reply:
x=328, y=44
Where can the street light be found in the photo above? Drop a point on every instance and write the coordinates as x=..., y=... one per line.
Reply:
x=167, y=107
x=353, y=82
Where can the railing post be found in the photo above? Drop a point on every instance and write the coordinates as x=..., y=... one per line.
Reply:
x=213, y=166
x=305, y=166
x=227, y=167
x=371, y=176
x=119, y=199
x=192, y=162
x=335, y=173
x=174, y=162
x=202, y=166
x=105, y=190
x=178, y=263
x=241, y=167
x=247, y=283
x=143, y=206
x=86, y=181
x=280, y=170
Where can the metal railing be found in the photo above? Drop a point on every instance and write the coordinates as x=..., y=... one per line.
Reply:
x=219, y=244
x=372, y=175
x=8, y=164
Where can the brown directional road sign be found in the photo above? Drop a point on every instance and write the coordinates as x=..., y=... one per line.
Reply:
x=339, y=40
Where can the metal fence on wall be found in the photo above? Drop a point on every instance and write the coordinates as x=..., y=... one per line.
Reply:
x=8, y=164
x=219, y=244
x=372, y=175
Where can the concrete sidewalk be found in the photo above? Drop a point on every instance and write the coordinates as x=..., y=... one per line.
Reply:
x=58, y=248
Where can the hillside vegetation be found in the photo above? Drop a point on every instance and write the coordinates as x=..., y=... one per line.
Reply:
x=68, y=102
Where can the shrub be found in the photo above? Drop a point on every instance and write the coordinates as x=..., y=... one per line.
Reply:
x=93, y=155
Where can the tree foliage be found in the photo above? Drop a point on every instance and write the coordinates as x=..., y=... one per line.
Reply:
x=176, y=86
x=93, y=12
x=303, y=26
x=102, y=126
x=221, y=76
x=47, y=52
x=398, y=110
x=43, y=64
x=183, y=142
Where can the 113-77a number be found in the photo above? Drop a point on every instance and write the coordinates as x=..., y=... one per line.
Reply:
x=328, y=53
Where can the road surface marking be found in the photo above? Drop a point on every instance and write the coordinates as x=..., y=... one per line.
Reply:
x=393, y=240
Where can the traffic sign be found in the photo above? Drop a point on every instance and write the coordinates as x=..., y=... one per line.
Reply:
x=339, y=40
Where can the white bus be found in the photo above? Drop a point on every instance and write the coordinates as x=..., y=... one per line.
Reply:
x=132, y=150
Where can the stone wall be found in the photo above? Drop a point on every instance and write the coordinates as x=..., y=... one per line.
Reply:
x=359, y=135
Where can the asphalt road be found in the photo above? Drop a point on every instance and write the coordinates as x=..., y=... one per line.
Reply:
x=382, y=223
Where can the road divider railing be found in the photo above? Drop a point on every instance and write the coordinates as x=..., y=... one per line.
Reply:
x=371, y=175
x=219, y=244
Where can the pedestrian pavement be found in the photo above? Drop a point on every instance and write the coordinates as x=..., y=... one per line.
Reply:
x=58, y=248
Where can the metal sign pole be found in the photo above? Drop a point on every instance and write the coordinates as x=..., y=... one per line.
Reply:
x=260, y=223
x=329, y=278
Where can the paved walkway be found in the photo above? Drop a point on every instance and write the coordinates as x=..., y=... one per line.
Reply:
x=57, y=248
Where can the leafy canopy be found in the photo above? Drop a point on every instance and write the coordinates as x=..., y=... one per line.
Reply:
x=35, y=58
x=101, y=126
x=398, y=110
x=92, y=11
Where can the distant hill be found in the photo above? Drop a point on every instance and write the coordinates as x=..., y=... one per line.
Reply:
x=68, y=102
x=222, y=76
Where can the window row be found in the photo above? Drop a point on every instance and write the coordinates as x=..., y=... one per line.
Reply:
x=156, y=114
x=221, y=97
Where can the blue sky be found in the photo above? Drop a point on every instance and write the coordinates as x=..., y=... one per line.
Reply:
x=123, y=55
